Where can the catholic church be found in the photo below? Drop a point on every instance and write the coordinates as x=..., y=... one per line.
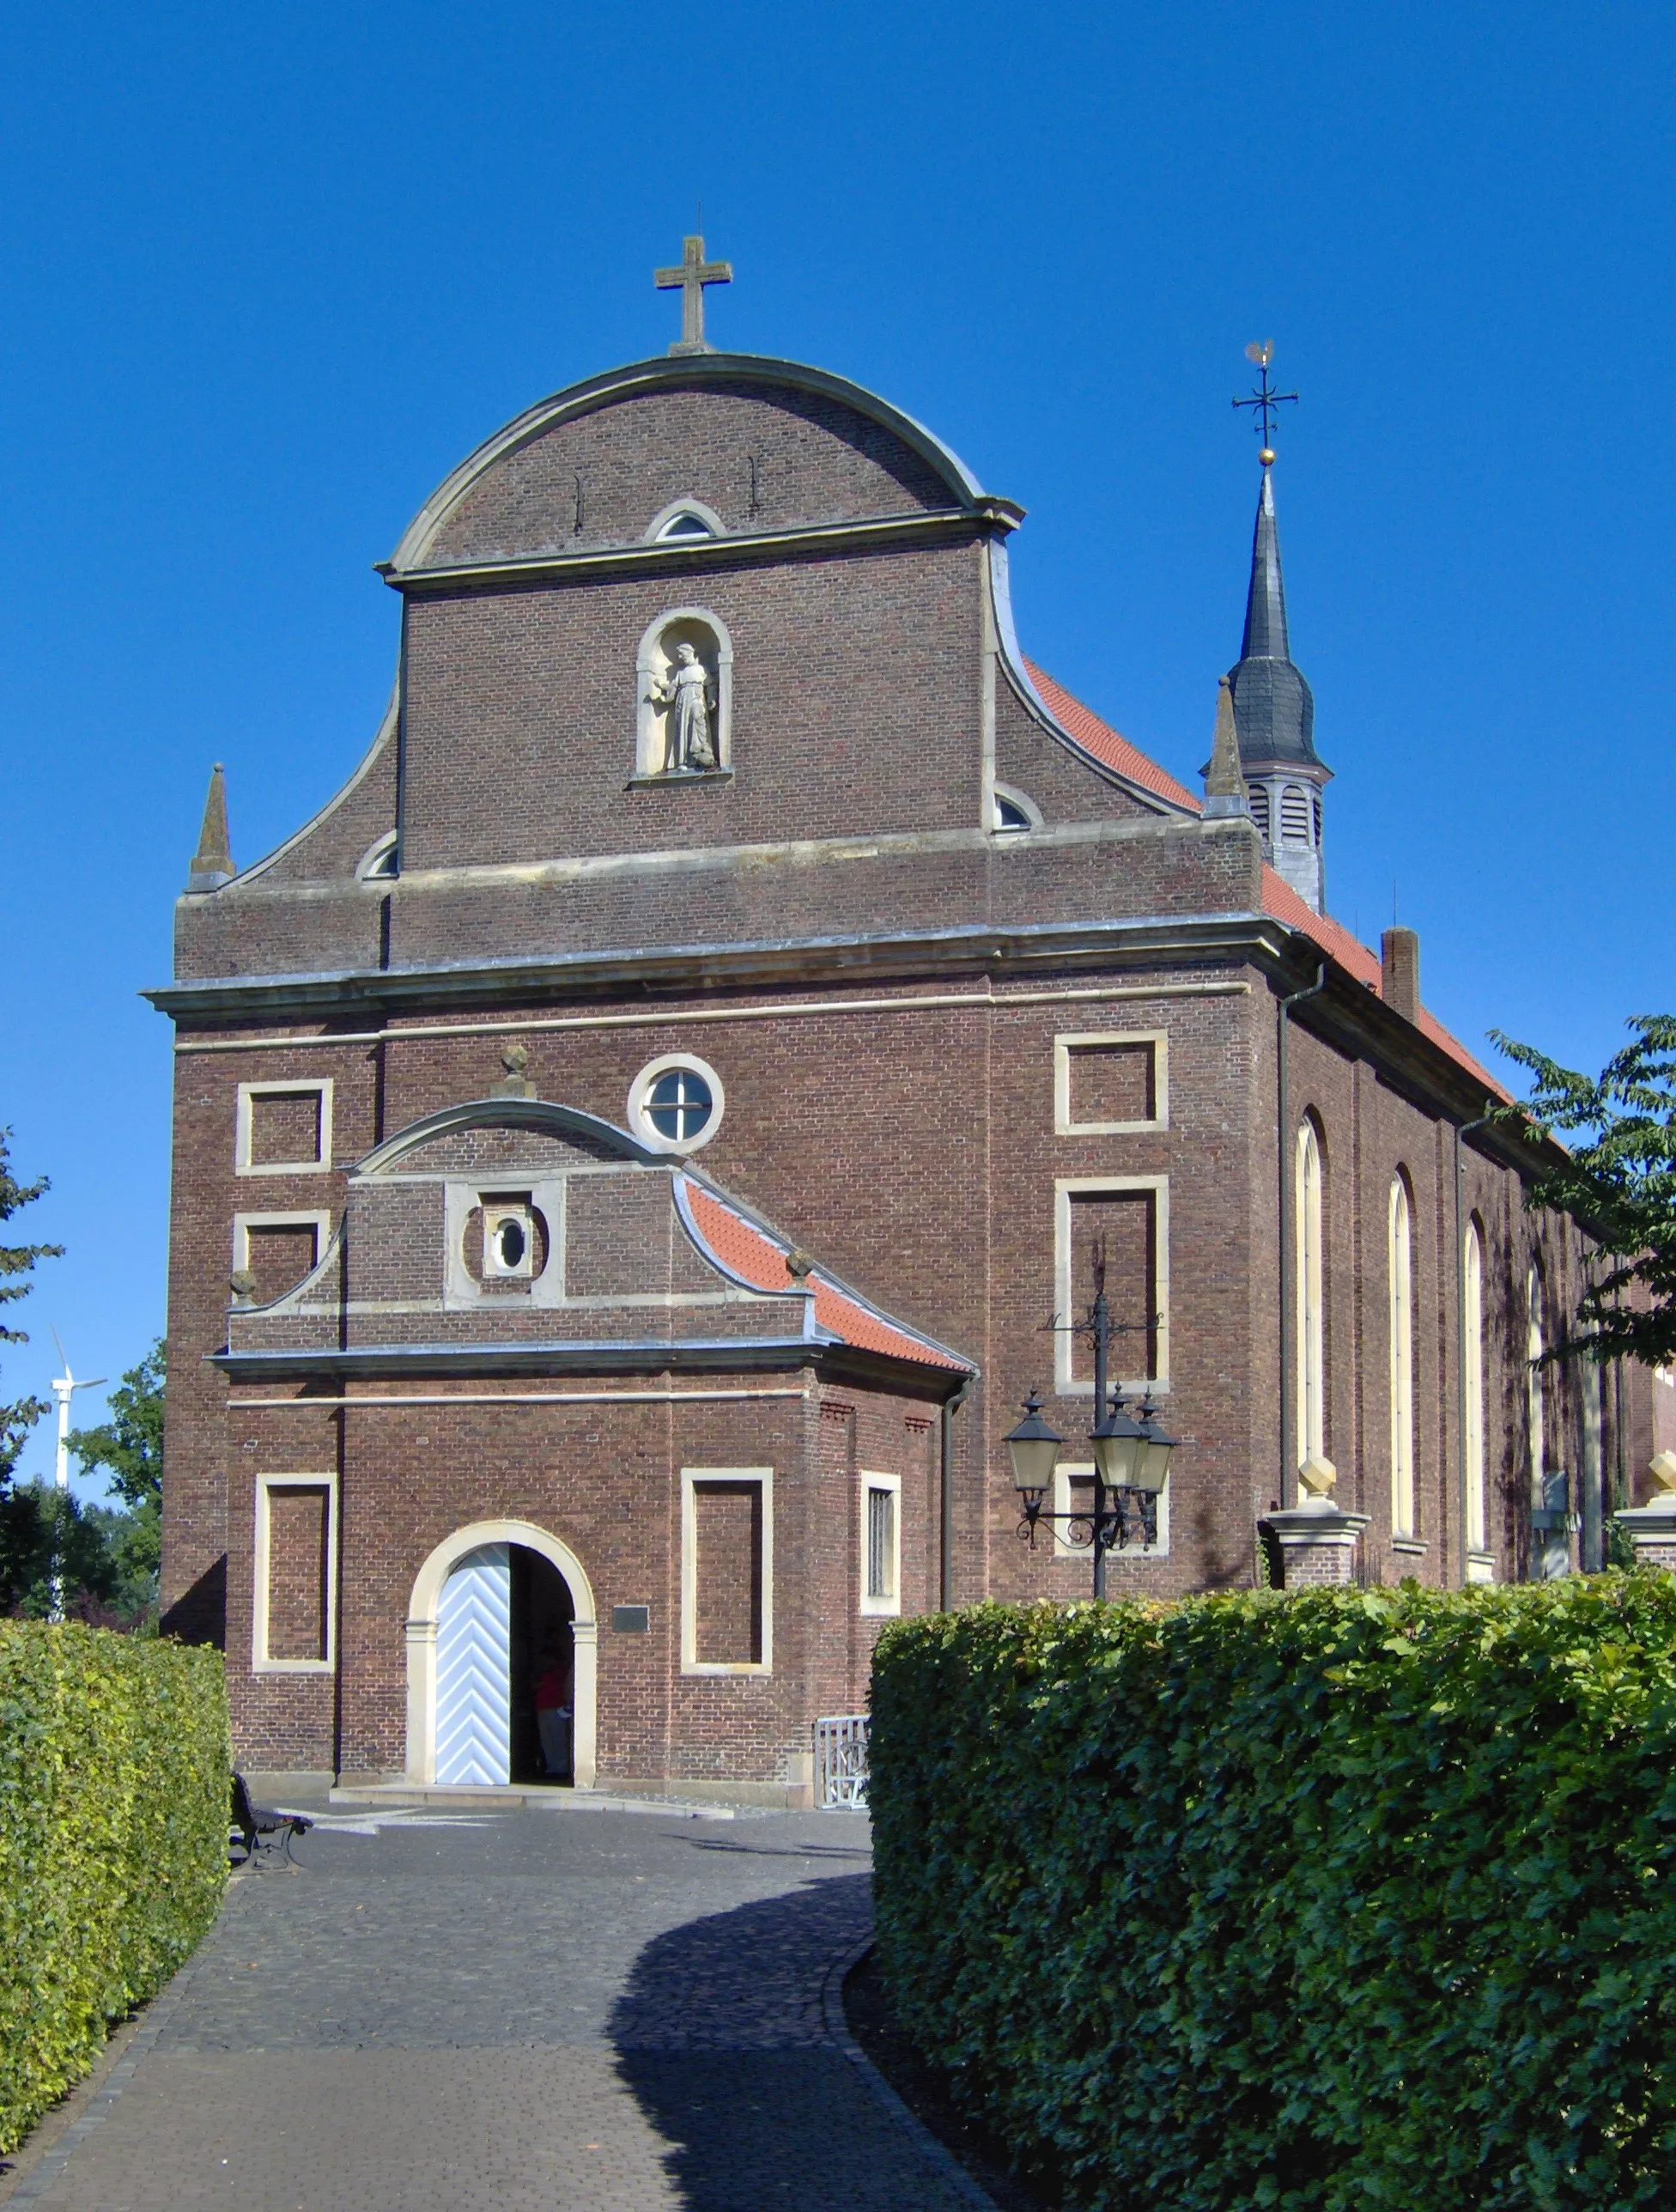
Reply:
x=638, y=1146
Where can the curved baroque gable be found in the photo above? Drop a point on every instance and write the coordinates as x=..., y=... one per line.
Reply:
x=763, y=445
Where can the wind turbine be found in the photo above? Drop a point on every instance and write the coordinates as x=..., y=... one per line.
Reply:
x=64, y=1387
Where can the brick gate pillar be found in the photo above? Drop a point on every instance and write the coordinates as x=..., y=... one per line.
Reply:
x=1317, y=1543
x=1652, y=1528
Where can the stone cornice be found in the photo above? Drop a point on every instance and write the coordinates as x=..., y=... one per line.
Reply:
x=684, y=553
x=690, y=859
x=1347, y=1014
x=975, y=949
x=735, y=1355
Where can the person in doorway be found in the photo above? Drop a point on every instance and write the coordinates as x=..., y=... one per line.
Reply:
x=554, y=1711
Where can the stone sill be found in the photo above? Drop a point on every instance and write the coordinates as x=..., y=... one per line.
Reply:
x=1410, y=1545
x=678, y=779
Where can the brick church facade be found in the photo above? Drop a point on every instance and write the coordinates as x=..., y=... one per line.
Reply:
x=657, y=1118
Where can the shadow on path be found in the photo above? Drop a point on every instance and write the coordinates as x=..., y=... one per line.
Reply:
x=721, y=2038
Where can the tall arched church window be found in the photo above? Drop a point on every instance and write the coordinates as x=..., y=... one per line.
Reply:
x=1257, y=798
x=1401, y=1278
x=1472, y=1336
x=1534, y=1346
x=684, y=677
x=1295, y=815
x=1310, y=1424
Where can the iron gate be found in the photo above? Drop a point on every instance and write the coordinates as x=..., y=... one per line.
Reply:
x=840, y=1763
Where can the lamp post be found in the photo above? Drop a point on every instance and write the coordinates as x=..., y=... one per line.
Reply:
x=1131, y=1460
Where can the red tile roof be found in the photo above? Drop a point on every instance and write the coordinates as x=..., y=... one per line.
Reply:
x=745, y=1251
x=1280, y=900
x=1105, y=743
x=1279, y=897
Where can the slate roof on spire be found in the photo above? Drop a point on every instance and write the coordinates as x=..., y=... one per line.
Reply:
x=1274, y=710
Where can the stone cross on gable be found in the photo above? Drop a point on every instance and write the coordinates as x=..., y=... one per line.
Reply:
x=690, y=278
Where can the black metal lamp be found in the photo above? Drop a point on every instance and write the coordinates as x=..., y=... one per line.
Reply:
x=1119, y=1442
x=1151, y=1461
x=1035, y=1451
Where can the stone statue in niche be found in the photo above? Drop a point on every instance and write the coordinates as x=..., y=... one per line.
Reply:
x=687, y=691
x=684, y=697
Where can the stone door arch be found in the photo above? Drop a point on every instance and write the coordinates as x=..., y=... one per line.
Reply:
x=421, y=1616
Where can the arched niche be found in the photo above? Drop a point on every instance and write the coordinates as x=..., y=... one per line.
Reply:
x=422, y=1615
x=658, y=665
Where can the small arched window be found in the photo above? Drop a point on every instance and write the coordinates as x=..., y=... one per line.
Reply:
x=1311, y=1382
x=1315, y=805
x=1295, y=815
x=1011, y=809
x=683, y=518
x=1472, y=1338
x=1401, y=1278
x=1257, y=798
x=379, y=860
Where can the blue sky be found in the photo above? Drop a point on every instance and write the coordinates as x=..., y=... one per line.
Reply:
x=265, y=275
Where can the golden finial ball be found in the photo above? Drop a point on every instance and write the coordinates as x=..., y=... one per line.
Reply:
x=1266, y=457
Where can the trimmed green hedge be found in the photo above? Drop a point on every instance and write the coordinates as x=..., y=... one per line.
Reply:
x=114, y=1764
x=1343, y=1899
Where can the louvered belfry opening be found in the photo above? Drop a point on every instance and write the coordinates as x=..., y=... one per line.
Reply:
x=1295, y=815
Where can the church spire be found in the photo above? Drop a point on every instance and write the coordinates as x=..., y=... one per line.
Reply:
x=1265, y=598
x=1274, y=710
x=212, y=863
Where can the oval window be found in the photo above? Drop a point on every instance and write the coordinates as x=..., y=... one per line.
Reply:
x=511, y=1243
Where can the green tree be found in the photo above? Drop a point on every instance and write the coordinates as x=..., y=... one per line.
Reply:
x=43, y=1529
x=17, y=1263
x=129, y=1446
x=1618, y=1177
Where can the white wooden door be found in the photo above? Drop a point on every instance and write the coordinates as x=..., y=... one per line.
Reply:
x=474, y=1669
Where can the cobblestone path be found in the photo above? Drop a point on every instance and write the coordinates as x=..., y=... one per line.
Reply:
x=557, y=2010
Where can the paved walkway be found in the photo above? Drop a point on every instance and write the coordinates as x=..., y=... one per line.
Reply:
x=531, y=2009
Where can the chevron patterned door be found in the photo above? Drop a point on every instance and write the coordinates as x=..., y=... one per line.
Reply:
x=474, y=1668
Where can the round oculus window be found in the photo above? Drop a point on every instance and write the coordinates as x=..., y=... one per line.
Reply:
x=675, y=1104
x=679, y=1104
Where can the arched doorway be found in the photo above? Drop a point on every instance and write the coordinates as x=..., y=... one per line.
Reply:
x=492, y=1607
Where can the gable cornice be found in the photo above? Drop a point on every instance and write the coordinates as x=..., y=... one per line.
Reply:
x=540, y=1115
x=866, y=533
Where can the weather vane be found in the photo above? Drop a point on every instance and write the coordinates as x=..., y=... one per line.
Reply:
x=1265, y=399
